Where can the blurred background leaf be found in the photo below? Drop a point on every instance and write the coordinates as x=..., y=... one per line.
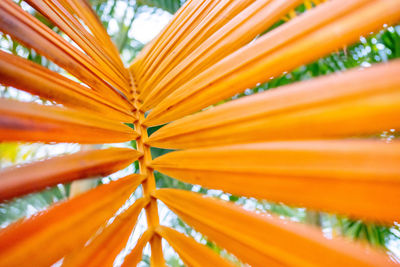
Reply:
x=168, y=5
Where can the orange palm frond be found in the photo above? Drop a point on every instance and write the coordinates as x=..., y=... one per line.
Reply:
x=345, y=104
x=280, y=50
x=212, y=22
x=265, y=239
x=311, y=144
x=55, y=12
x=191, y=252
x=189, y=23
x=106, y=246
x=82, y=10
x=34, y=176
x=37, y=80
x=34, y=122
x=73, y=222
x=31, y=32
x=358, y=178
x=135, y=256
x=244, y=27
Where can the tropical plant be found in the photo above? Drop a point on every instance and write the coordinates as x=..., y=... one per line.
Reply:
x=310, y=144
x=169, y=5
